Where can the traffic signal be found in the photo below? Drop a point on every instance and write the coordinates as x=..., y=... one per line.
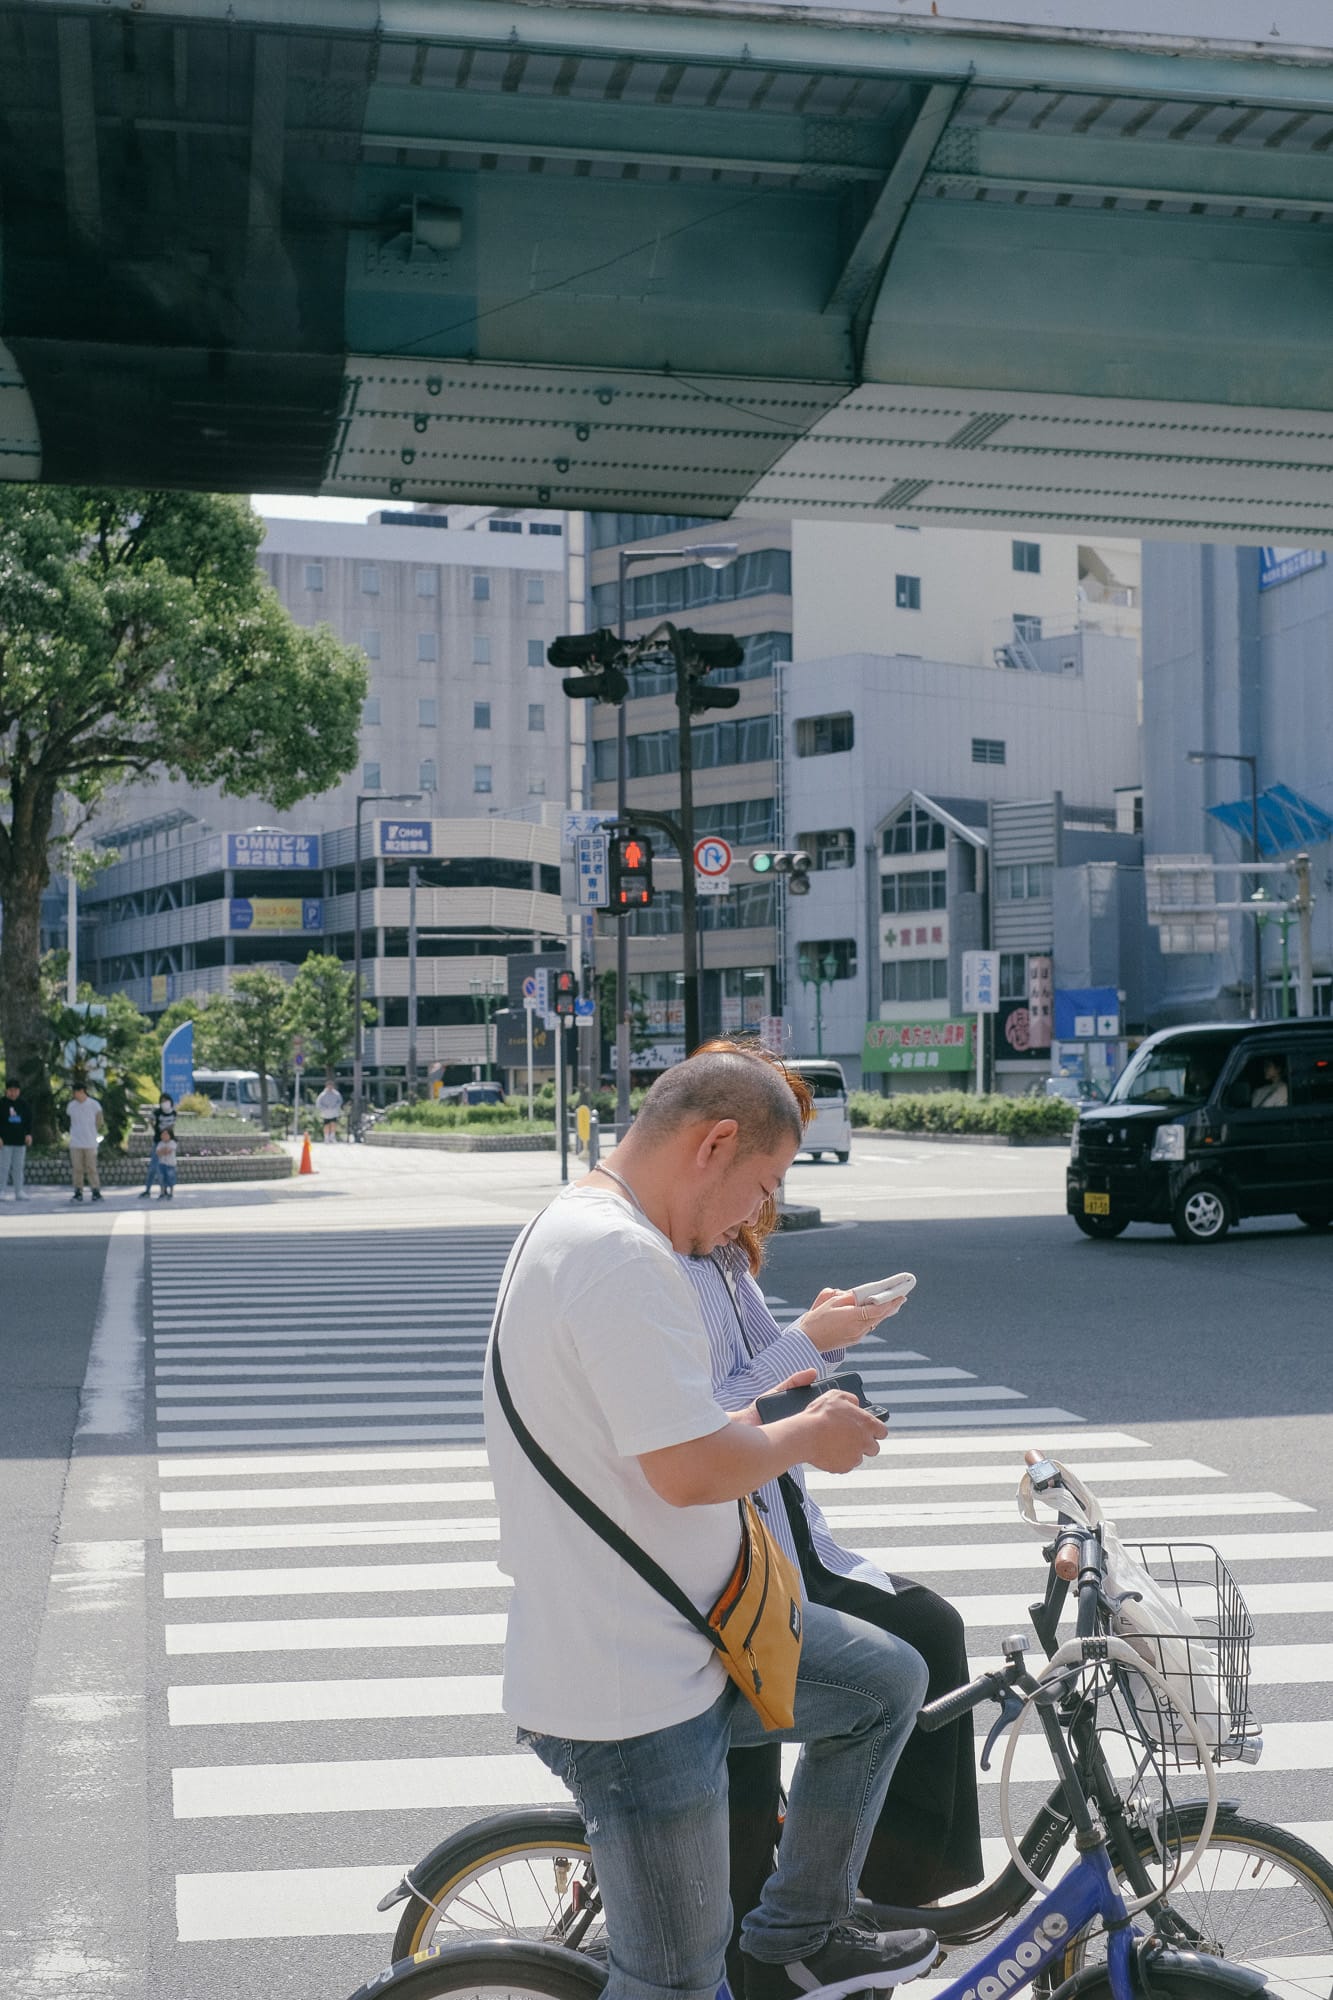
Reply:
x=565, y=987
x=629, y=872
x=794, y=865
x=705, y=653
x=598, y=652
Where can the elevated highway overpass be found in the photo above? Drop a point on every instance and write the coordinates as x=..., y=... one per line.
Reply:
x=910, y=260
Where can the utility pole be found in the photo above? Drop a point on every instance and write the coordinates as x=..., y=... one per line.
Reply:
x=1305, y=977
x=412, y=983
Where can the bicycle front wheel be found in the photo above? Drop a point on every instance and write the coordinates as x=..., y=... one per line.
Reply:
x=491, y=1969
x=522, y=1875
x=1259, y=1896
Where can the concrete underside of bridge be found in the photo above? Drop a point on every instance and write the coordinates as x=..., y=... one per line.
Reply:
x=750, y=258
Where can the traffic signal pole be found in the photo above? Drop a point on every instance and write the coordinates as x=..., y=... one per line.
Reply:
x=689, y=908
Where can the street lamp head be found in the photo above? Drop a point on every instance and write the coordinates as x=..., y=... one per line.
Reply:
x=713, y=555
x=1196, y=756
x=830, y=965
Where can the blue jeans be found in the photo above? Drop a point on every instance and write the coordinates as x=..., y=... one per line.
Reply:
x=655, y=1808
x=155, y=1172
x=13, y=1166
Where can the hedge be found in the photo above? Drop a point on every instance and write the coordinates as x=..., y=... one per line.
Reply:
x=959, y=1111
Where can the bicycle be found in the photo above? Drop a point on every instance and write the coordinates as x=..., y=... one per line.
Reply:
x=1258, y=1892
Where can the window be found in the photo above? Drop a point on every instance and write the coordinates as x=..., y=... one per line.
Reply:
x=481, y=587
x=744, y=822
x=481, y=777
x=545, y=528
x=824, y=735
x=536, y=715
x=1013, y=975
x=428, y=583
x=1312, y=1077
x=661, y=593
x=370, y=711
x=907, y=593
x=370, y=580
x=314, y=576
x=748, y=907
x=370, y=777
x=922, y=889
x=481, y=649
x=1023, y=881
x=915, y=831
x=536, y=786
x=987, y=750
x=1027, y=558
x=370, y=642
x=428, y=645
x=1026, y=625
x=608, y=529
x=914, y=979
x=536, y=653
x=499, y=527
x=428, y=712
x=535, y=588
x=761, y=649
x=833, y=849
x=481, y=715
x=426, y=775
x=833, y=958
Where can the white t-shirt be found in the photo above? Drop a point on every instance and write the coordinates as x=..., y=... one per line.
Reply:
x=83, y=1121
x=606, y=1357
x=329, y=1102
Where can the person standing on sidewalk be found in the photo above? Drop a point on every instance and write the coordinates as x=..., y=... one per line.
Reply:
x=15, y=1139
x=164, y=1127
x=165, y=1154
x=329, y=1105
x=85, y=1122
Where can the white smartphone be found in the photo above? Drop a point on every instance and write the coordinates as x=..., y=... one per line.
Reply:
x=883, y=1291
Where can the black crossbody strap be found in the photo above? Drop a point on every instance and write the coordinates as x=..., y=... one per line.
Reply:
x=587, y=1510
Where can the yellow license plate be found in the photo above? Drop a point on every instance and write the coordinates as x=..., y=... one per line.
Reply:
x=1096, y=1204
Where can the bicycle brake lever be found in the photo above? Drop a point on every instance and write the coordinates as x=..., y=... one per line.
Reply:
x=1010, y=1710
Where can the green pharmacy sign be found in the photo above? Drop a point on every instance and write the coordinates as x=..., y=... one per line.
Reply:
x=923, y=1046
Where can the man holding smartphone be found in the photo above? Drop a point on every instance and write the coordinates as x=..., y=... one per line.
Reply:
x=608, y=1366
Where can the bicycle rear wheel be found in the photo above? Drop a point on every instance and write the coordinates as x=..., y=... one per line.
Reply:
x=1259, y=1896
x=523, y=1875
x=490, y=1969
x=1168, y=1982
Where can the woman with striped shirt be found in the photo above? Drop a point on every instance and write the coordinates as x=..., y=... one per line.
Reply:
x=927, y=1843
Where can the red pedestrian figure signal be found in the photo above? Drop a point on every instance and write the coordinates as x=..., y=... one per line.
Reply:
x=630, y=872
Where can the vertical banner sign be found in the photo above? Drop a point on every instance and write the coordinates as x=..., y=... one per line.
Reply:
x=1041, y=1001
x=178, y=1062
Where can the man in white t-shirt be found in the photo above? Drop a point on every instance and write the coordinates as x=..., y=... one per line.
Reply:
x=329, y=1105
x=607, y=1361
x=85, y=1122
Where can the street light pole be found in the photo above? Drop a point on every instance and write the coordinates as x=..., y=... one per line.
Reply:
x=358, y=1026
x=715, y=555
x=412, y=983
x=1243, y=757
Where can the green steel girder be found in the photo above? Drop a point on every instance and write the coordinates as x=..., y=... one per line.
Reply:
x=1137, y=169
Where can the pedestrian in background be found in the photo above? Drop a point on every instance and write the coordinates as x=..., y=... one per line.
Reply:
x=85, y=1122
x=164, y=1125
x=329, y=1105
x=165, y=1154
x=15, y=1139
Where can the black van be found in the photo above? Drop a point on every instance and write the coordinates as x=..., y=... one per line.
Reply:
x=1207, y=1124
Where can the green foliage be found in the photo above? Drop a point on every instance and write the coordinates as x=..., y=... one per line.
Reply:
x=321, y=1012
x=249, y=1029
x=959, y=1111
x=427, y=1116
x=195, y=1105
x=137, y=634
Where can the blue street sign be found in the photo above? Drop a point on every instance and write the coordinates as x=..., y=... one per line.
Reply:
x=262, y=849
x=178, y=1062
x=405, y=836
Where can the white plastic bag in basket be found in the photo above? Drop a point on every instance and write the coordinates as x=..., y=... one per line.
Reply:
x=1147, y=1621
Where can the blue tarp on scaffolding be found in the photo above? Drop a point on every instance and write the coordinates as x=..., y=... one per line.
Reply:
x=1286, y=820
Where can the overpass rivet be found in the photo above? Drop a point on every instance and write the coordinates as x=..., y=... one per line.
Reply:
x=407, y=455
x=420, y=423
x=433, y=385
x=582, y=433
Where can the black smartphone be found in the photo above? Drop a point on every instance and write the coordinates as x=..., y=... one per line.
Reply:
x=790, y=1402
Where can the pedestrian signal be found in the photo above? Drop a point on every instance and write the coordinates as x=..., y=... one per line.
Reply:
x=630, y=872
x=565, y=986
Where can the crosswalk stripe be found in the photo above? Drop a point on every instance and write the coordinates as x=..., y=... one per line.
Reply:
x=387, y=1784
x=197, y=1377
x=388, y=1698
x=340, y=1901
x=461, y=1457
x=1128, y=1507
x=460, y=1428
x=424, y=1406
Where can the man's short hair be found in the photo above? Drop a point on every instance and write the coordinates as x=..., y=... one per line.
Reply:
x=708, y=1088
x=12, y=1083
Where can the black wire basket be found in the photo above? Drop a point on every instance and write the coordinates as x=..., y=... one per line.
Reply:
x=1207, y=1669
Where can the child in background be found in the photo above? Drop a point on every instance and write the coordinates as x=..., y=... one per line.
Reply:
x=165, y=1154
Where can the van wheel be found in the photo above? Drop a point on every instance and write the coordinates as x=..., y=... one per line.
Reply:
x=842, y=1159
x=1202, y=1214
x=1316, y=1220
x=1102, y=1227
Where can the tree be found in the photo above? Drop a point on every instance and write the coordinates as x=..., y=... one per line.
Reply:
x=322, y=1013
x=250, y=1028
x=137, y=633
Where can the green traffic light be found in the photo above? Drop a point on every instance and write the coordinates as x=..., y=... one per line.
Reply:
x=762, y=864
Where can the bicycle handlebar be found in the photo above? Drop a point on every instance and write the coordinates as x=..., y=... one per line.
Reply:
x=947, y=1708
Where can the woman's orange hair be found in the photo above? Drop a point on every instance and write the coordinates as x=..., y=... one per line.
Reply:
x=753, y=1235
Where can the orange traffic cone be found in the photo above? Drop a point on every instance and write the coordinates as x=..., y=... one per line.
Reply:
x=307, y=1165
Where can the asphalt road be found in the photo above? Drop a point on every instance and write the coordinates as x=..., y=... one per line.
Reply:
x=121, y=1828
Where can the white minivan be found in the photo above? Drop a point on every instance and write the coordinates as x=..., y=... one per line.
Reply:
x=830, y=1130
x=233, y=1090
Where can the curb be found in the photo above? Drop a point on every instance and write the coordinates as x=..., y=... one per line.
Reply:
x=799, y=1215
x=956, y=1138
x=466, y=1142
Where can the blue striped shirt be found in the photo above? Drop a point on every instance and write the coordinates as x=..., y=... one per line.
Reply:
x=751, y=1363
